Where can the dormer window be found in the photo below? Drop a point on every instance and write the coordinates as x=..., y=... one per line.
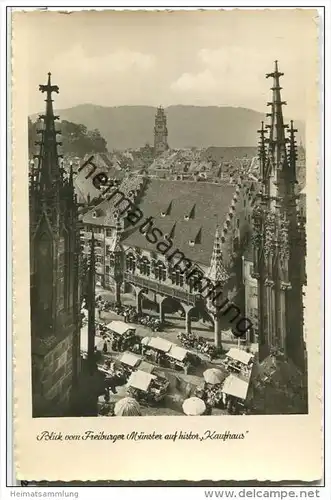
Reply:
x=94, y=214
x=191, y=243
x=187, y=217
x=163, y=214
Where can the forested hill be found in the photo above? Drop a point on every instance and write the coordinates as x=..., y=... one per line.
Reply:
x=126, y=127
x=76, y=139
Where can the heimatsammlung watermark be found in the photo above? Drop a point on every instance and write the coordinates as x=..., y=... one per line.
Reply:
x=164, y=245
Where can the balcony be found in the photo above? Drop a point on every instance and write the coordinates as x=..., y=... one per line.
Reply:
x=157, y=287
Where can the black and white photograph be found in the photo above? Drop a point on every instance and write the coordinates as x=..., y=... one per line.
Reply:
x=167, y=214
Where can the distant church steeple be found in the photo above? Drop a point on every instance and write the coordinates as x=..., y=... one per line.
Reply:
x=160, y=132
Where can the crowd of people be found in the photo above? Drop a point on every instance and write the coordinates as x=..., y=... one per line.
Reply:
x=200, y=344
x=213, y=397
x=129, y=314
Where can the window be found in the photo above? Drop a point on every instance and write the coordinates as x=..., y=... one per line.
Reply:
x=177, y=278
x=145, y=267
x=195, y=283
x=160, y=271
x=131, y=262
x=109, y=232
x=238, y=223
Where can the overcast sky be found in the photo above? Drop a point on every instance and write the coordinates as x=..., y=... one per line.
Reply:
x=152, y=58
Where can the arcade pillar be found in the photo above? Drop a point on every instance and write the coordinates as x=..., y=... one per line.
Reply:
x=217, y=332
x=117, y=293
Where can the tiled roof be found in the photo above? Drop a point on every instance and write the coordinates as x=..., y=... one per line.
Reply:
x=212, y=202
x=104, y=213
x=84, y=187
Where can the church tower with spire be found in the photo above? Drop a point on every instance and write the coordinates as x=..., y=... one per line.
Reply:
x=160, y=132
x=279, y=237
x=54, y=263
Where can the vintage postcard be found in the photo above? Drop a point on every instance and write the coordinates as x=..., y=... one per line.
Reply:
x=166, y=242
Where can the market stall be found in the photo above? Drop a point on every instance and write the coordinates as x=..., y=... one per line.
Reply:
x=146, y=367
x=234, y=391
x=123, y=335
x=129, y=361
x=178, y=358
x=156, y=349
x=147, y=387
x=238, y=361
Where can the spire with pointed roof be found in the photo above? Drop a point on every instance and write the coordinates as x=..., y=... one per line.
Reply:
x=277, y=254
x=277, y=140
x=217, y=272
x=278, y=166
x=48, y=157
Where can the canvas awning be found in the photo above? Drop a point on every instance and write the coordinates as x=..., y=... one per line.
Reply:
x=239, y=355
x=130, y=359
x=177, y=352
x=160, y=344
x=234, y=386
x=119, y=327
x=146, y=367
x=140, y=380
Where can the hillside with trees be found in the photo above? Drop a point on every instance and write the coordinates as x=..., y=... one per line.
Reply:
x=76, y=139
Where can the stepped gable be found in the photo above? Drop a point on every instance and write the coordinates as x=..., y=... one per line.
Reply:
x=194, y=231
x=84, y=187
x=104, y=214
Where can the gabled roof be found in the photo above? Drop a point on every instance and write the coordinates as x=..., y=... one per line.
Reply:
x=130, y=359
x=119, y=327
x=104, y=213
x=234, y=386
x=239, y=355
x=212, y=202
x=140, y=380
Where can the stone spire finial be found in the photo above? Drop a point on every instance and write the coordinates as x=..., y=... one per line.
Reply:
x=48, y=157
x=217, y=272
